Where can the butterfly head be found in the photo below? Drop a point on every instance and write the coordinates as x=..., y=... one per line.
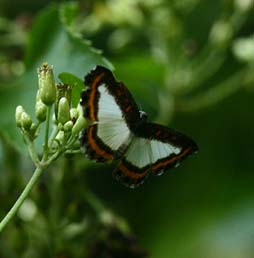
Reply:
x=143, y=115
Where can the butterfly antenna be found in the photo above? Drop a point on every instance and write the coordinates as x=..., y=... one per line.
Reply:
x=140, y=107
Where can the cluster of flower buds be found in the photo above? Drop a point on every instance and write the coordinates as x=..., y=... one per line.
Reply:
x=23, y=120
x=25, y=123
x=68, y=120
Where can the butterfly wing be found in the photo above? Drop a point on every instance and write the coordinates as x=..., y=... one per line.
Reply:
x=154, y=149
x=112, y=113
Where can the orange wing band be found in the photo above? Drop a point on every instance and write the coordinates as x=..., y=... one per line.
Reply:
x=95, y=146
x=92, y=96
x=132, y=174
x=157, y=166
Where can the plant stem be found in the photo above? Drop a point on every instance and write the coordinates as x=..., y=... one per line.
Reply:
x=32, y=150
x=12, y=212
x=46, y=140
x=53, y=135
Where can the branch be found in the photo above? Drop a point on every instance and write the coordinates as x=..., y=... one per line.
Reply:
x=12, y=212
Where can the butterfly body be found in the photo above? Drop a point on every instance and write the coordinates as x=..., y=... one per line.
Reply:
x=118, y=130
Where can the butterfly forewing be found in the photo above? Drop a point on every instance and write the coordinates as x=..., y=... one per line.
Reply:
x=112, y=128
x=104, y=103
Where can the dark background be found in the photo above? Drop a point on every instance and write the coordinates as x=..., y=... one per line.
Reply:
x=188, y=65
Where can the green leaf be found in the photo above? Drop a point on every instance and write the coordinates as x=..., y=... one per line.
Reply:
x=38, y=39
x=68, y=13
x=76, y=83
x=53, y=42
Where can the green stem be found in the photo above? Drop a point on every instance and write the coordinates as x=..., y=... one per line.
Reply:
x=12, y=212
x=71, y=141
x=46, y=139
x=32, y=150
x=53, y=157
x=53, y=135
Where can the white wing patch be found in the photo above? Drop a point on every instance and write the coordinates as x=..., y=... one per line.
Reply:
x=138, y=152
x=144, y=152
x=112, y=128
x=114, y=132
x=160, y=150
x=108, y=109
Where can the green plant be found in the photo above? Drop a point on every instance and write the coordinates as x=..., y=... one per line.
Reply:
x=189, y=64
x=67, y=124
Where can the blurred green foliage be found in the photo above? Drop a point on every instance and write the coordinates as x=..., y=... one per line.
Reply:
x=189, y=64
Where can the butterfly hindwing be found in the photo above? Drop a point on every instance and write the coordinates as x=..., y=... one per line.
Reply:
x=134, y=167
x=155, y=149
x=173, y=146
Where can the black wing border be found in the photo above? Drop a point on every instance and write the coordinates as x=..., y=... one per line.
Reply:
x=132, y=176
x=90, y=96
x=94, y=146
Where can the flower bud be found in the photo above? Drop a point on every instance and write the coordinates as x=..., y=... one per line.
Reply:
x=60, y=136
x=18, y=114
x=60, y=127
x=47, y=86
x=79, y=125
x=32, y=131
x=68, y=126
x=63, y=90
x=63, y=110
x=74, y=113
x=40, y=110
x=26, y=121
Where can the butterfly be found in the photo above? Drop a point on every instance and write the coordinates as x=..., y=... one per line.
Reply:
x=119, y=131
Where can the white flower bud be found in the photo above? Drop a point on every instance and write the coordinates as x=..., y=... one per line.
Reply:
x=40, y=110
x=18, y=114
x=74, y=113
x=47, y=87
x=26, y=121
x=63, y=115
x=68, y=126
x=79, y=125
x=60, y=136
